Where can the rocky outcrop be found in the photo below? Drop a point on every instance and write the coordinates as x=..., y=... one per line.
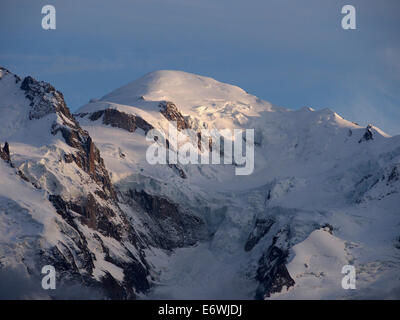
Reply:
x=178, y=170
x=394, y=174
x=367, y=135
x=261, y=228
x=119, y=119
x=70, y=264
x=170, y=226
x=109, y=223
x=87, y=157
x=84, y=258
x=171, y=113
x=5, y=153
x=272, y=273
x=91, y=213
x=44, y=99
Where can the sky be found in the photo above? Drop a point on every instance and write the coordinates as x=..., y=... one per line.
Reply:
x=292, y=53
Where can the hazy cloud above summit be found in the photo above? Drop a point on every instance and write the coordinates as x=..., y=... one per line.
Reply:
x=290, y=52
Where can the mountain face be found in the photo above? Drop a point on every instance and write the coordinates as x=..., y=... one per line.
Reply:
x=78, y=193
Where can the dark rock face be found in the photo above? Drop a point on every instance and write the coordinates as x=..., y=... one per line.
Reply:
x=170, y=226
x=180, y=171
x=367, y=135
x=261, y=228
x=135, y=271
x=5, y=153
x=45, y=99
x=158, y=207
x=104, y=219
x=272, y=272
x=122, y=120
x=171, y=112
x=328, y=228
x=94, y=216
x=87, y=157
x=67, y=263
x=394, y=174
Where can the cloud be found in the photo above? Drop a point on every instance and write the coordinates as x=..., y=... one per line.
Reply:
x=60, y=64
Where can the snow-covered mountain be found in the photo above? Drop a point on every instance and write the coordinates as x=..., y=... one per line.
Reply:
x=79, y=194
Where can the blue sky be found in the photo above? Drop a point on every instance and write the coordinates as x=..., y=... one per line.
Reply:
x=292, y=53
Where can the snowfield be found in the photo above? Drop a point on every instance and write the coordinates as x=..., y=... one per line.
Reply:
x=324, y=193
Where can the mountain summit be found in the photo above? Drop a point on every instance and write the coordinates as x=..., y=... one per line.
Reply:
x=185, y=89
